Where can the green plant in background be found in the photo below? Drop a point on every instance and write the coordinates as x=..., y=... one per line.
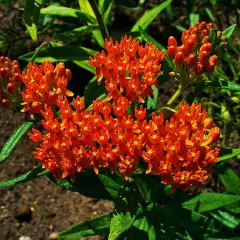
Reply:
x=115, y=143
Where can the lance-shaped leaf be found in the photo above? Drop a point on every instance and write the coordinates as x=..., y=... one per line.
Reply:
x=149, y=16
x=91, y=185
x=105, y=7
x=29, y=176
x=229, y=31
x=209, y=201
x=228, y=153
x=67, y=12
x=31, y=15
x=56, y=54
x=95, y=226
x=13, y=140
x=120, y=223
x=224, y=84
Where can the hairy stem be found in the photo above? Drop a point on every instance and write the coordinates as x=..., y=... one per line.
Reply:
x=175, y=95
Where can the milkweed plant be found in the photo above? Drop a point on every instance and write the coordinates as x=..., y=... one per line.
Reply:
x=151, y=161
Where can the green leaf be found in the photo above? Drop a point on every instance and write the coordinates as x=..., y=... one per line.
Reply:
x=229, y=31
x=152, y=103
x=75, y=33
x=210, y=14
x=224, y=84
x=86, y=8
x=147, y=38
x=226, y=218
x=120, y=223
x=31, y=15
x=85, y=65
x=209, y=201
x=56, y=54
x=193, y=18
x=229, y=178
x=180, y=28
x=149, y=16
x=105, y=187
x=228, y=153
x=95, y=226
x=29, y=176
x=67, y=12
x=13, y=140
x=93, y=91
x=152, y=233
x=105, y=7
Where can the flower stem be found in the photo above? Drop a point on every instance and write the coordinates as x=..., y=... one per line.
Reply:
x=175, y=95
x=103, y=27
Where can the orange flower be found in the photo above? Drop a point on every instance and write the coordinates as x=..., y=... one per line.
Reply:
x=128, y=69
x=44, y=84
x=185, y=157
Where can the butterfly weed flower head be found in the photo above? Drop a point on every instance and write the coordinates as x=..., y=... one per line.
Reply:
x=44, y=84
x=10, y=81
x=127, y=68
x=182, y=153
x=196, y=54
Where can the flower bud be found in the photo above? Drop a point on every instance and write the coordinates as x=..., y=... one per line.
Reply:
x=68, y=74
x=206, y=39
x=202, y=25
x=179, y=58
x=172, y=51
x=206, y=47
x=191, y=61
x=189, y=45
x=208, y=123
x=5, y=102
x=210, y=67
x=199, y=68
x=213, y=59
x=203, y=58
x=36, y=107
x=49, y=76
x=204, y=33
x=11, y=88
x=172, y=42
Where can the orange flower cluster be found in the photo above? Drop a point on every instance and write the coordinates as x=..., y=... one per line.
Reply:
x=181, y=153
x=196, y=49
x=108, y=137
x=44, y=85
x=10, y=80
x=129, y=69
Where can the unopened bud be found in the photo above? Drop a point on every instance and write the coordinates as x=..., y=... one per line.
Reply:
x=219, y=34
x=199, y=68
x=172, y=74
x=206, y=47
x=189, y=45
x=191, y=61
x=68, y=74
x=49, y=76
x=172, y=51
x=36, y=107
x=204, y=33
x=179, y=58
x=5, y=102
x=172, y=42
x=206, y=39
x=11, y=88
x=210, y=67
x=213, y=59
x=60, y=69
x=202, y=25
x=203, y=58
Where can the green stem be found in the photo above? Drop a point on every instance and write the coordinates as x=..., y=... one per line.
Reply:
x=103, y=27
x=175, y=95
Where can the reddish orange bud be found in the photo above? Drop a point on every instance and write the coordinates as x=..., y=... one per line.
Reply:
x=206, y=47
x=191, y=61
x=50, y=78
x=11, y=88
x=5, y=102
x=199, y=68
x=204, y=33
x=172, y=42
x=202, y=25
x=206, y=39
x=210, y=67
x=60, y=69
x=179, y=58
x=16, y=69
x=172, y=51
x=17, y=78
x=213, y=59
x=203, y=58
x=189, y=45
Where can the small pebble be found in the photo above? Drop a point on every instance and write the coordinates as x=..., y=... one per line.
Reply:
x=25, y=238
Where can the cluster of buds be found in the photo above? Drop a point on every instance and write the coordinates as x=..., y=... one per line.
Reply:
x=195, y=55
x=10, y=81
x=129, y=69
x=43, y=85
